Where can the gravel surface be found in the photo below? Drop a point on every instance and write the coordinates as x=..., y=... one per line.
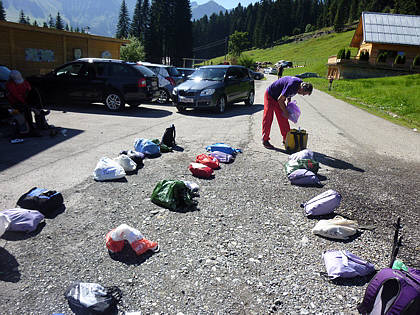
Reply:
x=246, y=249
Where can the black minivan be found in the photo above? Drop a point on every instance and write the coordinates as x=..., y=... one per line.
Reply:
x=215, y=86
x=90, y=80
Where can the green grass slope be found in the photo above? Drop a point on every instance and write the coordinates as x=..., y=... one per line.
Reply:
x=393, y=98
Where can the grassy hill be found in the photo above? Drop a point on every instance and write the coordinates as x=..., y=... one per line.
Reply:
x=393, y=98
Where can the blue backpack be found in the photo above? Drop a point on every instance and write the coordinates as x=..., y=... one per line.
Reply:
x=44, y=200
x=222, y=147
x=147, y=147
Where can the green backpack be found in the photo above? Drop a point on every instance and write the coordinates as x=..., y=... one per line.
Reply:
x=172, y=194
x=294, y=165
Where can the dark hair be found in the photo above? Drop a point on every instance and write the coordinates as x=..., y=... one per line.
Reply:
x=307, y=87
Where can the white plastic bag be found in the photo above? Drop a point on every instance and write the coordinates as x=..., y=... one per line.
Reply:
x=338, y=228
x=4, y=223
x=126, y=163
x=108, y=169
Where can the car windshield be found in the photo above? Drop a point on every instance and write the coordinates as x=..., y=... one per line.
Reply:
x=173, y=72
x=145, y=71
x=4, y=73
x=210, y=74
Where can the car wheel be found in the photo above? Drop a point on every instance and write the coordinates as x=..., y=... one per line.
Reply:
x=250, y=100
x=163, y=97
x=181, y=109
x=221, y=104
x=114, y=101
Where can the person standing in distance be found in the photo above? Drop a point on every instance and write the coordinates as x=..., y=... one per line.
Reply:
x=275, y=102
x=280, y=72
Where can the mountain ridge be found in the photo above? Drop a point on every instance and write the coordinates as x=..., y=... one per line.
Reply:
x=84, y=13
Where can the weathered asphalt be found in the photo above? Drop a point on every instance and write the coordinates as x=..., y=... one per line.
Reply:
x=248, y=250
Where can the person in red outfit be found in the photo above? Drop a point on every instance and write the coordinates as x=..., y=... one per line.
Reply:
x=275, y=98
x=17, y=93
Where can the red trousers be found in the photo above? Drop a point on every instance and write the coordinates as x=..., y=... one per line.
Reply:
x=272, y=106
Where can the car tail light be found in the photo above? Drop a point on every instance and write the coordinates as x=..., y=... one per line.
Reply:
x=142, y=82
x=171, y=80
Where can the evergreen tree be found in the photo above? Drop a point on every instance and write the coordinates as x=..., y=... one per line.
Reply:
x=58, y=22
x=28, y=20
x=35, y=23
x=44, y=24
x=136, y=26
x=339, y=17
x=123, y=27
x=2, y=12
x=353, y=11
x=51, y=23
x=67, y=28
x=183, y=29
x=22, y=17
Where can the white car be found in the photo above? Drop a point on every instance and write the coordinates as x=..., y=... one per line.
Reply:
x=270, y=70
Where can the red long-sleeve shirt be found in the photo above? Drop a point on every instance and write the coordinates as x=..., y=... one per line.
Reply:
x=17, y=92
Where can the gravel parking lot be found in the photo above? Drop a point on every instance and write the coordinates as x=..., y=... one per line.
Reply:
x=246, y=249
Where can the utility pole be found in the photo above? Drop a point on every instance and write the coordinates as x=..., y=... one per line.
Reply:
x=226, y=47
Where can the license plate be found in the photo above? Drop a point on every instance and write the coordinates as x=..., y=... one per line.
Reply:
x=186, y=99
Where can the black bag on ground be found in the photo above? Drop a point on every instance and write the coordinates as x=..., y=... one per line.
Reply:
x=92, y=298
x=44, y=200
x=168, y=137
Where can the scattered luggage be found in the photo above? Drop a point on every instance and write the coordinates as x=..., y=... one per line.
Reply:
x=147, y=147
x=173, y=194
x=336, y=228
x=23, y=220
x=108, y=169
x=308, y=164
x=44, y=200
x=293, y=110
x=303, y=154
x=222, y=156
x=296, y=140
x=343, y=264
x=115, y=240
x=200, y=170
x=4, y=223
x=222, y=147
x=168, y=137
x=303, y=177
x=207, y=160
x=126, y=163
x=92, y=298
x=324, y=203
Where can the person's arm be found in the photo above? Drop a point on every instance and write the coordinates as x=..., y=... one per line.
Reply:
x=282, y=103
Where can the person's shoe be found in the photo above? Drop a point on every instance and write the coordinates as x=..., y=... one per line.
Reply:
x=267, y=145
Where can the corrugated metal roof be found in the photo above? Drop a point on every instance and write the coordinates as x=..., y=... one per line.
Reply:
x=391, y=28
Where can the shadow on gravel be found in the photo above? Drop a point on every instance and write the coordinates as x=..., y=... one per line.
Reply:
x=129, y=257
x=20, y=236
x=336, y=163
x=9, y=267
x=353, y=282
x=231, y=111
x=178, y=148
x=119, y=180
x=349, y=240
x=30, y=147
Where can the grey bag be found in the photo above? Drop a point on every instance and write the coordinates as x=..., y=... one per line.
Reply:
x=303, y=177
x=343, y=264
x=23, y=220
x=322, y=204
x=304, y=154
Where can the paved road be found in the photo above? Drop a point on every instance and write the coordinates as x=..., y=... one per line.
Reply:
x=249, y=248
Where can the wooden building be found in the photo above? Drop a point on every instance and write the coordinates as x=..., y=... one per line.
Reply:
x=38, y=50
x=380, y=39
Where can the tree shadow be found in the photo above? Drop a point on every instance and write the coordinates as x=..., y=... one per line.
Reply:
x=9, y=267
x=335, y=163
x=20, y=236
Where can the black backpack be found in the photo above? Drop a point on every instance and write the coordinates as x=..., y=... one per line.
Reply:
x=168, y=137
x=44, y=200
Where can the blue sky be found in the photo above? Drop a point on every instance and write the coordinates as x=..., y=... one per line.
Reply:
x=228, y=4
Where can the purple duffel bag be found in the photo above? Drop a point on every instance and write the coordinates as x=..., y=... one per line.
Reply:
x=23, y=220
x=222, y=156
x=322, y=204
x=343, y=264
x=304, y=177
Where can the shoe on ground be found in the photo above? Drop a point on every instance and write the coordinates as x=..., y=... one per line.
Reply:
x=267, y=145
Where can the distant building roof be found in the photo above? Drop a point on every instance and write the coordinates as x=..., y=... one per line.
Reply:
x=388, y=28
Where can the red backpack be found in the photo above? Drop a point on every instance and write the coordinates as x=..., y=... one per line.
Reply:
x=209, y=161
x=200, y=170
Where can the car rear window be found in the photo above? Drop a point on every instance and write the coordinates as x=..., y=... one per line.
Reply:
x=173, y=72
x=145, y=71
